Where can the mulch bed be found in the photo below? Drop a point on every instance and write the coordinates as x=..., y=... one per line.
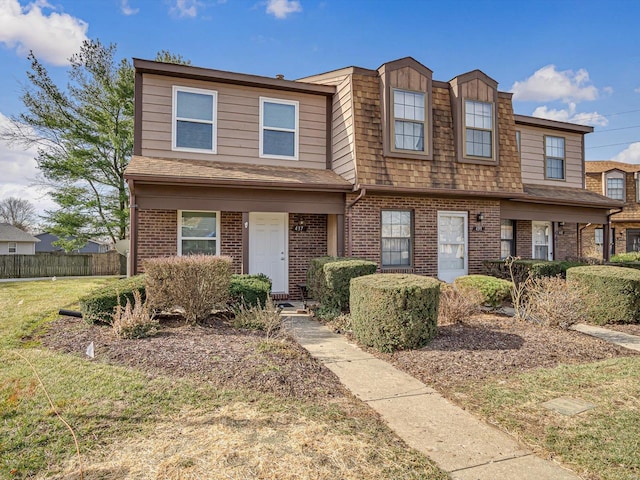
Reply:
x=216, y=352
x=496, y=346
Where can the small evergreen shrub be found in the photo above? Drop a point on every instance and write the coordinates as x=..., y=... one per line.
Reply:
x=315, y=276
x=197, y=284
x=99, y=305
x=525, y=268
x=337, y=276
x=610, y=294
x=394, y=311
x=135, y=321
x=494, y=290
x=249, y=290
x=626, y=257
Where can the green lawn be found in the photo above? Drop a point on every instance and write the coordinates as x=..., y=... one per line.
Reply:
x=600, y=443
x=130, y=425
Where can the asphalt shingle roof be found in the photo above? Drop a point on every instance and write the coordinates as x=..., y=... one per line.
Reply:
x=9, y=233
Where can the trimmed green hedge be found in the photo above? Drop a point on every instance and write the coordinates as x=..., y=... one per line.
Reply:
x=625, y=257
x=250, y=290
x=315, y=275
x=494, y=290
x=394, y=311
x=610, y=294
x=98, y=306
x=522, y=268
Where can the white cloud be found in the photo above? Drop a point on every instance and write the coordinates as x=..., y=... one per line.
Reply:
x=126, y=9
x=608, y=90
x=282, y=8
x=19, y=173
x=631, y=154
x=637, y=90
x=53, y=37
x=548, y=84
x=569, y=115
x=185, y=8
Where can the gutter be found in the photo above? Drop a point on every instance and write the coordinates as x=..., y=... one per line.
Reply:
x=363, y=192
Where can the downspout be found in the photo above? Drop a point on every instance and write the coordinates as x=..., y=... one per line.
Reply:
x=607, y=255
x=363, y=192
x=133, y=232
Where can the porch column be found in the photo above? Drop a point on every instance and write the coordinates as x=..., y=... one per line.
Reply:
x=340, y=222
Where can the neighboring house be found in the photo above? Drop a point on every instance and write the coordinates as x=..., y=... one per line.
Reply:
x=416, y=174
x=618, y=181
x=14, y=241
x=47, y=239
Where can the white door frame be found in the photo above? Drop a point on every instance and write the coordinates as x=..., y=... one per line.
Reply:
x=284, y=252
x=549, y=225
x=450, y=275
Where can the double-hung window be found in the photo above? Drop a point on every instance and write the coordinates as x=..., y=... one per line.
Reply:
x=408, y=120
x=13, y=247
x=198, y=233
x=478, y=129
x=194, y=119
x=554, y=157
x=507, y=238
x=615, y=188
x=396, y=238
x=279, y=128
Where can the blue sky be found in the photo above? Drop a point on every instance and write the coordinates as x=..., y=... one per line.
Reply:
x=567, y=60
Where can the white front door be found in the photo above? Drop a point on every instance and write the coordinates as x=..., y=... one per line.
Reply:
x=268, y=248
x=542, y=245
x=452, y=245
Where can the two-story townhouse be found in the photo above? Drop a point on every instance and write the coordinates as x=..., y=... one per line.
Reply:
x=416, y=174
x=618, y=181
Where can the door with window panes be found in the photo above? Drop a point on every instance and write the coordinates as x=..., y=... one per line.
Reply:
x=452, y=245
x=542, y=240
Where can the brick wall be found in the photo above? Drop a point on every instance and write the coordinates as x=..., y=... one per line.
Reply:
x=567, y=241
x=303, y=246
x=231, y=238
x=157, y=234
x=366, y=235
x=523, y=239
x=588, y=242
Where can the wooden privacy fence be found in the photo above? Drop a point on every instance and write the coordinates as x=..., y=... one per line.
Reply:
x=62, y=265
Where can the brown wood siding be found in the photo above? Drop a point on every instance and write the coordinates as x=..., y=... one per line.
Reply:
x=532, y=154
x=477, y=90
x=238, y=112
x=342, y=132
x=631, y=211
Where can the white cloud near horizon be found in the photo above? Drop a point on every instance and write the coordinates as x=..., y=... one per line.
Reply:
x=19, y=174
x=569, y=115
x=631, y=154
x=126, y=9
x=52, y=36
x=185, y=8
x=548, y=84
x=637, y=90
x=283, y=8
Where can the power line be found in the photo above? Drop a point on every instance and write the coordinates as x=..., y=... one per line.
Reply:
x=614, y=129
x=612, y=145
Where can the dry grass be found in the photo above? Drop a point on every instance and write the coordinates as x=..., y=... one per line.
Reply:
x=135, y=321
x=456, y=306
x=552, y=303
x=240, y=441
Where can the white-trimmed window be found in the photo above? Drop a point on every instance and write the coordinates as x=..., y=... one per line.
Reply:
x=409, y=120
x=13, y=247
x=599, y=236
x=478, y=129
x=507, y=238
x=396, y=238
x=279, y=128
x=614, y=185
x=194, y=119
x=198, y=233
x=554, y=157
x=518, y=140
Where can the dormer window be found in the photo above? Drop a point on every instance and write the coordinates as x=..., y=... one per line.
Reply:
x=614, y=185
x=409, y=120
x=478, y=129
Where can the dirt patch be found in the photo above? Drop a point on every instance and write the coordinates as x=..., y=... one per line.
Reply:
x=631, y=329
x=496, y=346
x=216, y=352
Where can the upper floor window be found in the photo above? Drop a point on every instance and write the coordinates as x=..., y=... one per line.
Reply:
x=198, y=233
x=396, y=238
x=478, y=129
x=13, y=247
x=194, y=119
x=409, y=120
x=278, y=128
x=615, y=188
x=554, y=157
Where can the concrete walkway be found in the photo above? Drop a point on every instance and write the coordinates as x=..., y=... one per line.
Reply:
x=632, y=342
x=458, y=442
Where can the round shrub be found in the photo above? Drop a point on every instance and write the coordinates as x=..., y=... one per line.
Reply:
x=494, y=290
x=394, y=311
x=610, y=294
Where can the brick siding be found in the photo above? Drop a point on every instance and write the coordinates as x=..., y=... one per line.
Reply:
x=157, y=235
x=303, y=246
x=523, y=239
x=231, y=238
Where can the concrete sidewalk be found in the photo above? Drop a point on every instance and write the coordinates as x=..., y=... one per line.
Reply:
x=632, y=342
x=459, y=443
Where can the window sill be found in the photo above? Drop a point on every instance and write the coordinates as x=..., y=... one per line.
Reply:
x=397, y=269
x=478, y=161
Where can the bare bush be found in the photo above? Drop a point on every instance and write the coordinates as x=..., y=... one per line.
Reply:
x=265, y=318
x=135, y=321
x=196, y=284
x=551, y=302
x=457, y=305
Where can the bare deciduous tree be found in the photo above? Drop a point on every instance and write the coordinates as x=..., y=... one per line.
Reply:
x=18, y=212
